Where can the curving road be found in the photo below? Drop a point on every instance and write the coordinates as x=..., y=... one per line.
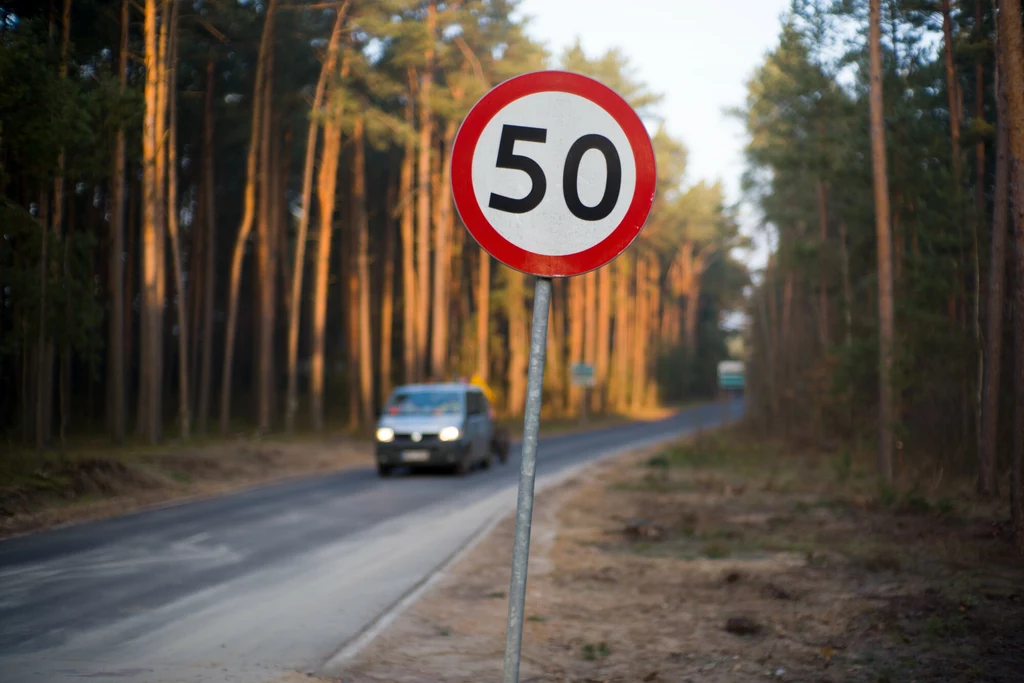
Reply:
x=254, y=585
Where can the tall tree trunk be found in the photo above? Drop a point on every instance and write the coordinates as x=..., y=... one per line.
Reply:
x=979, y=115
x=767, y=294
x=266, y=244
x=483, y=315
x=350, y=295
x=157, y=379
x=844, y=266
x=590, y=316
x=150, y=244
x=362, y=233
x=886, y=313
x=435, y=369
x=326, y=184
x=248, y=214
x=996, y=284
x=196, y=285
x=42, y=433
x=692, y=317
x=556, y=348
x=787, y=315
x=134, y=191
x=426, y=133
x=822, y=276
x=604, y=324
x=953, y=93
x=650, y=341
x=58, y=223
x=443, y=257
x=518, y=343
x=115, y=350
x=590, y=330
x=577, y=311
x=209, y=249
x=639, y=335
x=387, y=303
x=172, y=226
x=410, y=279
x=976, y=228
x=282, y=171
x=1011, y=55
x=621, y=344
x=298, y=270
x=459, y=332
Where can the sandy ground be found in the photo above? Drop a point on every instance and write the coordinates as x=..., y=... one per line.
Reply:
x=85, y=488
x=724, y=573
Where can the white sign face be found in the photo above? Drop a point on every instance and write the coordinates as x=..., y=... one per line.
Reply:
x=552, y=229
x=730, y=367
x=553, y=173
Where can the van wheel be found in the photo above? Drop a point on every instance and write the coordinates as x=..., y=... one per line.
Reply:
x=485, y=464
x=463, y=467
x=384, y=470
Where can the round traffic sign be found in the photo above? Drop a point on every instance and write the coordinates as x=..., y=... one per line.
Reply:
x=553, y=173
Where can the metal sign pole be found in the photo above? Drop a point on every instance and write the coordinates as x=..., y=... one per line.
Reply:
x=527, y=475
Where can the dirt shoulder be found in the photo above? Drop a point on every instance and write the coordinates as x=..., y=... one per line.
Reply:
x=83, y=485
x=728, y=559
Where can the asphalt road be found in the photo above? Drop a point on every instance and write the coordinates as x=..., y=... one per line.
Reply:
x=253, y=585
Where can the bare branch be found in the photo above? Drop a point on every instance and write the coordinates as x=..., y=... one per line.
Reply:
x=471, y=57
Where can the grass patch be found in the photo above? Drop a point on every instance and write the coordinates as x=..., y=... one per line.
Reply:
x=842, y=465
x=590, y=651
x=716, y=550
x=939, y=629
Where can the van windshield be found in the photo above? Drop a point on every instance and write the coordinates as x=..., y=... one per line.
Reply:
x=425, y=403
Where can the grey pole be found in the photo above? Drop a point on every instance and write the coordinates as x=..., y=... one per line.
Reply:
x=527, y=474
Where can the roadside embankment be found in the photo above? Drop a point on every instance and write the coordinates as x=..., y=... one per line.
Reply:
x=728, y=558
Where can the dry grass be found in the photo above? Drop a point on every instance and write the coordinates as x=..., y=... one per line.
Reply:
x=730, y=559
x=569, y=425
x=91, y=483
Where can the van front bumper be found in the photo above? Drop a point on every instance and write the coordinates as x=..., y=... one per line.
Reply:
x=433, y=454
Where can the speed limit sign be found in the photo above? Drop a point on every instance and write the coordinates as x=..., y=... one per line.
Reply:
x=553, y=173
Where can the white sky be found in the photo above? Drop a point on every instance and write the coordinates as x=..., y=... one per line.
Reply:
x=698, y=53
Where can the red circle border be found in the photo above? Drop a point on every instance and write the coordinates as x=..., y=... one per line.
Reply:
x=473, y=216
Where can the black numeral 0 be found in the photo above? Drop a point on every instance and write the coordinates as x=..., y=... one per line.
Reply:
x=612, y=183
x=507, y=158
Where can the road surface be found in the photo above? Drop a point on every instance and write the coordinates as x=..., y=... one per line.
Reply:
x=261, y=583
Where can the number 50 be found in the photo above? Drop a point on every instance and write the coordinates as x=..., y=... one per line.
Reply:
x=507, y=158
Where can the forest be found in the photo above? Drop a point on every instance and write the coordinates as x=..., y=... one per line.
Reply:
x=886, y=156
x=235, y=216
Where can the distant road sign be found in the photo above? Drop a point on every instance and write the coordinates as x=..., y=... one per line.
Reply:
x=582, y=374
x=553, y=173
x=730, y=374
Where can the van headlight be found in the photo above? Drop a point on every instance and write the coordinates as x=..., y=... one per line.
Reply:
x=385, y=434
x=449, y=434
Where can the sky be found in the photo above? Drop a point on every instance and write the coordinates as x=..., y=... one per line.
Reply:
x=698, y=53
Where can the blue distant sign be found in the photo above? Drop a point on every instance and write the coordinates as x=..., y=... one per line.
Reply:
x=730, y=374
x=582, y=374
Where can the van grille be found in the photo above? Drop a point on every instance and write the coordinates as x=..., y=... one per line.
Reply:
x=406, y=439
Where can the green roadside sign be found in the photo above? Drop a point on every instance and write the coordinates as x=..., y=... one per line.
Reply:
x=582, y=374
x=730, y=374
